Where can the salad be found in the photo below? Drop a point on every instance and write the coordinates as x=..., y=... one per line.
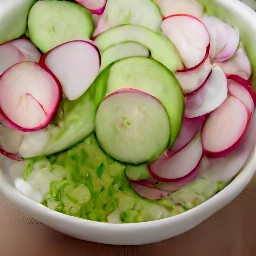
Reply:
x=123, y=111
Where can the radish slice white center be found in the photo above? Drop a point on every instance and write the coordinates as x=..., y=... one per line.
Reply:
x=224, y=39
x=29, y=96
x=16, y=51
x=225, y=168
x=238, y=64
x=191, y=80
x=180, y=164
x=190, y=37
x=225, y=126
x=76, y=65
x=209, y=96
x=240, y=92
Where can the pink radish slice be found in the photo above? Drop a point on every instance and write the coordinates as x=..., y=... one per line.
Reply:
x=175, y=185
x=209, y=96
x=245, y=83
x=241, y=93
x=189, y=128
x=178, y=165
x=10, y=155
x=16, y=51
x=238, y=64
x=190, y=37
x=94, y=6
x=76, y=64
x=224, y=39
x=147, y=190
x=190, y=80
x=171, y=7
x=225, y=128
x=225, y=168
x=29, y=96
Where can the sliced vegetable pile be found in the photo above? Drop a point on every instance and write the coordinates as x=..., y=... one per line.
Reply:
x=159, y=86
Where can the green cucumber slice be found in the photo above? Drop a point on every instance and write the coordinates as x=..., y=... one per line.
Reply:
x=121, y=51
x=51, y=23
x=137, y=172
x=132, y=127
x=151, y=77
x=159, y=45
x=119, y=12
x=13, y=18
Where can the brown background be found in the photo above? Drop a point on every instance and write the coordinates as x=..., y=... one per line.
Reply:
x=231, y=232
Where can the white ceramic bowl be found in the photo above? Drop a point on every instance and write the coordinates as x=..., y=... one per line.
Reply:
x=244, y=19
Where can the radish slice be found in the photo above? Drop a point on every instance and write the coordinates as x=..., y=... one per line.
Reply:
x=76, y=64
x=94, y=6
x=175, y=185
x=180, y=164
x=190, y=80
x=225, y=168
x=225, y=127
x=170, y=7
x=224, y=39
x=238, y=64
x=10, y=155
x=209, y=96
x=189, y=128
x=190, y=37
x=241, y=93
x=147, y=190
x=16, y=51
x=29, y=96
x=245, y=83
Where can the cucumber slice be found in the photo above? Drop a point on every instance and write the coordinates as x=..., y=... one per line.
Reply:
x=137, y=172
x=13, y=18
x=119, y=12
x=51, y=23
x=160, y=46
x=121, y=51
x=132, y=126
x=151, y=77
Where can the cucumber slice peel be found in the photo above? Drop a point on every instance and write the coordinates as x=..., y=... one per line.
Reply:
x=160, y=47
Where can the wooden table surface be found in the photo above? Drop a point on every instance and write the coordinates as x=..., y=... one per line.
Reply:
x=231, y=232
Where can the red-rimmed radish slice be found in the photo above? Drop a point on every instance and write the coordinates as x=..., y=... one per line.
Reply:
x=190, y=80
x=180, y=164
x=29, y=96
x=245, y=83
x=16, y=51
x=211, y=94
x=94, y=6
x=9, y=55
x=10, y=155
x=225, y=168
x=225, y=127
x=190, y=37
x=224, y=39
x=76, y=64
x=175, y=185
x=171, y=7
x=147, y=189
x=28, y=49
x=190, y=127
x=238, y=64
x=241, y=93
